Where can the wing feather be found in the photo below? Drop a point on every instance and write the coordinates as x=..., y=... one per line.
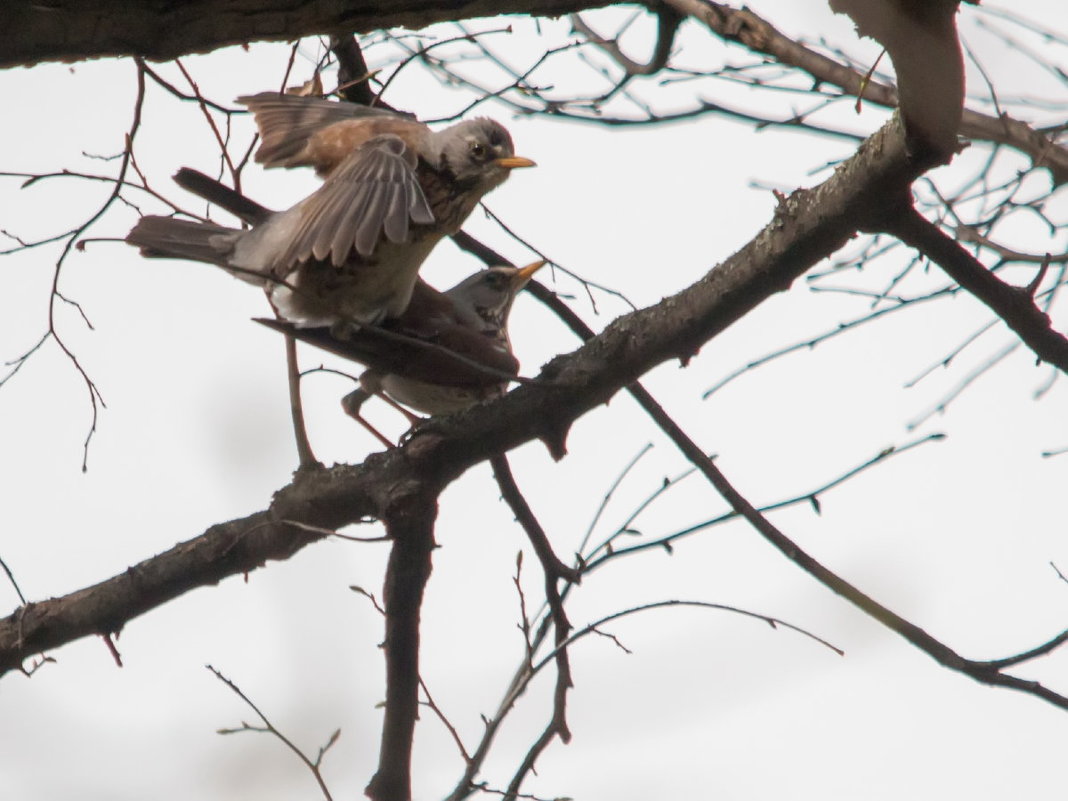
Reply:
x=373, y=193
x=287, y=122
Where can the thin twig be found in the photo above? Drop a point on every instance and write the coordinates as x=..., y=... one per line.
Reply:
x=312, y=765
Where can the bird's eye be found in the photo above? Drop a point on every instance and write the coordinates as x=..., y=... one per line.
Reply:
x=478, y=150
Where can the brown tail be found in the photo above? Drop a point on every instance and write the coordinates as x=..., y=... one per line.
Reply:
x=171, y=238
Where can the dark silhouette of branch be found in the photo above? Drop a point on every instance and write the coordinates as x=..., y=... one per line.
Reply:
x=550, y=562
x=269, y=728
x=554, y=570
x=983, y=672
x=968, y=233
x=596, y=559
x=970, y=378
x=34, y=32
x=753, y=32
x=607, y=497
x=668, y=21
x=11, y=578
x=595, y=626
x=807, y=226
x=410, y=523
x=95, y=399
x=352, y=73
x=811, y=342
x=432, y=705
x=527, y=672
x=1014, y=305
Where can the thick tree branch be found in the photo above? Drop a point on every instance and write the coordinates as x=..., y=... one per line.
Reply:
x=410, y=523
x=1015, y=305
x=808, y=225
x=921, y=39
x=756, y=34
x=70, y=30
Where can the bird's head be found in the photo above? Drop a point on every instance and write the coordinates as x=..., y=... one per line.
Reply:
x=479, y=153
x=489, y=293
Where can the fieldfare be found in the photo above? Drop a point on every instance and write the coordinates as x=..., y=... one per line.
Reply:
x=350, y=252
x=453, y=350
x=447, y=351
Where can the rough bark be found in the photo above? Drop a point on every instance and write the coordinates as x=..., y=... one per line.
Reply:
x=32, y=31
x=808, y=226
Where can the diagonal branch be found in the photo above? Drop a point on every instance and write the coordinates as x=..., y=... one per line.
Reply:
x=554, y=570
x=668, y=21
x=1015, y=305
x=988, y=672
x=808, y=225
x=34, y=31
x=755, y=33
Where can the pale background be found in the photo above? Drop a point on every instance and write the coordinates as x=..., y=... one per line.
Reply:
x=957, y=535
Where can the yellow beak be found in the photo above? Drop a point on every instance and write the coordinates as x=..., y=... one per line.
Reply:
x=512, y=162
x=523, y=274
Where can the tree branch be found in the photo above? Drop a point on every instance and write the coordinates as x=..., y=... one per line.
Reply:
x=1015, y=305
x=807, y=226
x=34, y=31
x=983, y=672
x=410, y=522
x=756, y=34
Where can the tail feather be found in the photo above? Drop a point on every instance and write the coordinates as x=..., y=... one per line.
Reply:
x=222, y=196
x=171, y=238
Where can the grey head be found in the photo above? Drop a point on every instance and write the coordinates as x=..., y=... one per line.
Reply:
x=477, y=153
x=488, y=295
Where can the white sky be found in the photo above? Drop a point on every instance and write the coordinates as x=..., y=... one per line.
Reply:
x=957, y=535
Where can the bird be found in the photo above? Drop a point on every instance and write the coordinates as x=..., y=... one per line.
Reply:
x=445, y=352
x=455, y=350
x=349, y=253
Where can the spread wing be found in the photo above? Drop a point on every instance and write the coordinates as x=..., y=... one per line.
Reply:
x=374, y=192
x=287, y=123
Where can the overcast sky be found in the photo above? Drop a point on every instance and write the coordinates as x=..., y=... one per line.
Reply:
x=956, y=535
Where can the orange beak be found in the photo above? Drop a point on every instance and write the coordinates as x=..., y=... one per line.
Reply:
x=524, y=274
x=512, y=162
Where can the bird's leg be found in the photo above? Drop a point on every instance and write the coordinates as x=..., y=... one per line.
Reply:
x=351, y=403
x=371, y=384
x=413, y=419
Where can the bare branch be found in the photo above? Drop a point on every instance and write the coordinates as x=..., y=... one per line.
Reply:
x=1012, y=304
x=11, y=578
x=755, y=33
x=808, y=225
x=668, y=21
x=809, y=497
x=410, y=523
x=983, y=672
x=269, y=727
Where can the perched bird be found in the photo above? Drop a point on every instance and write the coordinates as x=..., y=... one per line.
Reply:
x=455, y=352
x=350, y=252
x=445, y=352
